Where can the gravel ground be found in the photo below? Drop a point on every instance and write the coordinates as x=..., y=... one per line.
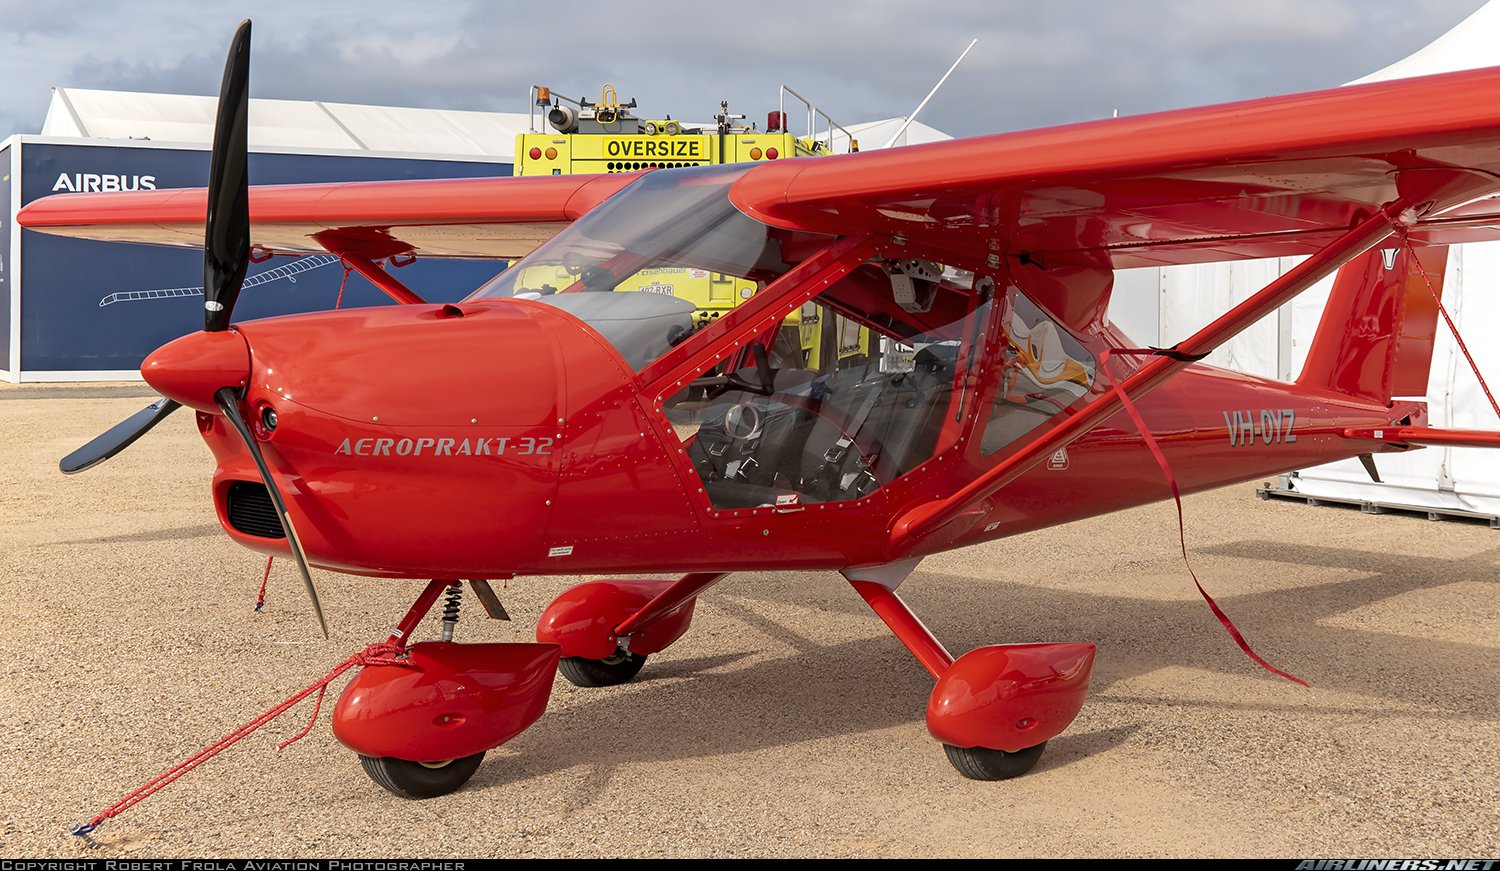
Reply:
x=788, y=722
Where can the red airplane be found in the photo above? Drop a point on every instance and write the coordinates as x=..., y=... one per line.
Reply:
x=552, y=423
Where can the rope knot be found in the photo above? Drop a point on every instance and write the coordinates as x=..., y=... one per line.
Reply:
x=383, y=653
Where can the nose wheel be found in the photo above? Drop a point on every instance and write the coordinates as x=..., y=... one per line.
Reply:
x=608, y=672
x=420, y=779
x=421, y=716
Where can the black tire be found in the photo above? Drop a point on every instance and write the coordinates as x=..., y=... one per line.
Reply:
x=417, y=780
x=610, y=672
x=982, y=763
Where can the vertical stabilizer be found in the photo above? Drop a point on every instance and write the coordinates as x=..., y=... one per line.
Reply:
x=1375, y=339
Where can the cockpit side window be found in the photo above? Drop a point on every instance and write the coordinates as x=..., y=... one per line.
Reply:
x=1044, y=370
x=848, y=393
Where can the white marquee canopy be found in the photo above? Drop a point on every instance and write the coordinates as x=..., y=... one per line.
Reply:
x=314, y=125
x=1161, y=306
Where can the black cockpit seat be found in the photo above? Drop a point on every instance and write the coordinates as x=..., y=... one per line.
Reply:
x=912, y=434
x=827, y=438
x=878, y=426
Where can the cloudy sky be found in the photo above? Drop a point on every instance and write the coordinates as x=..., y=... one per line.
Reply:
x=1037, y=63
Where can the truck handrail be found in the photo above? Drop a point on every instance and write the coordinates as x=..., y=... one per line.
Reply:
x=813, y=113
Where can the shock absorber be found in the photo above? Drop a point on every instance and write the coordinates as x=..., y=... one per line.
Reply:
x=450, y=609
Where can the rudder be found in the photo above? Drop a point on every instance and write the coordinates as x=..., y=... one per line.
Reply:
x=1376, y=336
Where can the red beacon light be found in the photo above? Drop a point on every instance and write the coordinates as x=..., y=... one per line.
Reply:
x=775, y=122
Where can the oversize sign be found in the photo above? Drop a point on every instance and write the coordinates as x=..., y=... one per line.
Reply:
x=662, y=147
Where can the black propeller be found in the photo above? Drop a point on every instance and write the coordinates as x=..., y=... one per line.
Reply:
x=229, y=402
x=226, y=234
x=226, y=257
x=226, y=243
x=118, y=437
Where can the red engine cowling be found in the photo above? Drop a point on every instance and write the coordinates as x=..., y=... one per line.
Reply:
x=453, y=700
x=1010, y=696
x=583, y=619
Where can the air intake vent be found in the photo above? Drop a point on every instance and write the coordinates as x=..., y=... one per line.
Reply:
x=251, y=511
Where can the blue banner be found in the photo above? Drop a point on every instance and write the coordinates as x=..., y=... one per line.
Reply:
x=5, y=231
x=105, y=305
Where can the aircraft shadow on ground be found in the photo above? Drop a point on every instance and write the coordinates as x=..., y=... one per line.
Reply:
x=716, y=705
x=68, y=391
x=181, y=533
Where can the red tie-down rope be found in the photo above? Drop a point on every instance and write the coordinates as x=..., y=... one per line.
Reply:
x=260, y=600
x=1411, y=252
x=342, y=284
x=384, y=653
x=1166, y=470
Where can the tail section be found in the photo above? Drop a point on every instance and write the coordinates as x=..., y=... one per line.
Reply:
x=1375, y=339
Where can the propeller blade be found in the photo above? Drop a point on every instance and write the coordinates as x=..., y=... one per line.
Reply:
x=228, y=402
x=226, y=233
x=118, y=437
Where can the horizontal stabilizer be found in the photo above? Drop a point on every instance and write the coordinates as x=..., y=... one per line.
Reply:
x=1421, y=435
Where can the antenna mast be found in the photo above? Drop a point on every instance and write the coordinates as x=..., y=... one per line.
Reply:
x=913, y=116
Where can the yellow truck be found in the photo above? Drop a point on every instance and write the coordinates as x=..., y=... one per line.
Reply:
x=606, y=136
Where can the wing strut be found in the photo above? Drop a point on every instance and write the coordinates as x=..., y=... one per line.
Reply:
x=927, y=517
x=357, y=256
x=389, y=284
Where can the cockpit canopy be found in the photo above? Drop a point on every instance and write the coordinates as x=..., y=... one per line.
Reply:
x=856, y=387
x=614, y=268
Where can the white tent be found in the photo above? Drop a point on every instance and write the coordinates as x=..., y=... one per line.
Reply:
x=344, y=127
x=287, y=124
x=875, y=134
x=1162, y=306
x=1468, y=46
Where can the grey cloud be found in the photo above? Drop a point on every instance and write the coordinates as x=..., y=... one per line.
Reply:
x=1036, y=63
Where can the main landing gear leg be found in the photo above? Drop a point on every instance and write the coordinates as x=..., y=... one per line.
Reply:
x=606, y=629
x=994, y=708
x=422, y=721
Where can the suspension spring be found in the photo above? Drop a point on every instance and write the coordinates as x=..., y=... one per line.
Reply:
x=450, y=609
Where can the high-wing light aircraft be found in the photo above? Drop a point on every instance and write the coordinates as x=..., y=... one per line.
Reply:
x=552, y=424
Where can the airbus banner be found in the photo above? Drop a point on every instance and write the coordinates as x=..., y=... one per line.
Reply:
x=100, y=307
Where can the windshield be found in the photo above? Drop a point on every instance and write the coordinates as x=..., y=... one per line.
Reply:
x=657, y=261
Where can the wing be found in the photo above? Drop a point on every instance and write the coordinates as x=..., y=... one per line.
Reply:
x=490, y=217
x=1270, y=177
